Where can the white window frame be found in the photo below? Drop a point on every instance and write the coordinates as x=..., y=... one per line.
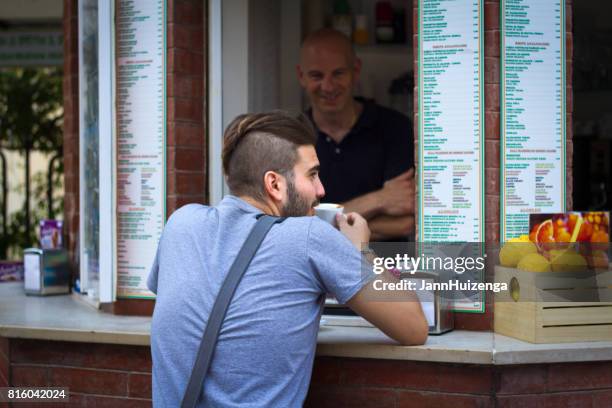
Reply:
x=106, y=142
x=83, y=260
x=215, y=105
x=228, y=80
x=105, y=163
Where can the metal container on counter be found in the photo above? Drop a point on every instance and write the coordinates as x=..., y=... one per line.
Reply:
x=436, y=307
x=46, y=271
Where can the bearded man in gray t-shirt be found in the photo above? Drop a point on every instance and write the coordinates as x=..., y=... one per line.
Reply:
x=267, y=343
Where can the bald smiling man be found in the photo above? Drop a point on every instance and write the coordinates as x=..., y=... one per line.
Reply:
x=365, y=150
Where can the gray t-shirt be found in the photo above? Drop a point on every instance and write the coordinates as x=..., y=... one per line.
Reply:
x=267, y=343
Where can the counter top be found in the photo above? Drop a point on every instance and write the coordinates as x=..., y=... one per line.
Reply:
x=66, y=318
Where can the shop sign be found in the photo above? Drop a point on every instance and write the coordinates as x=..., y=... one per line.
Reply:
x=31, y=48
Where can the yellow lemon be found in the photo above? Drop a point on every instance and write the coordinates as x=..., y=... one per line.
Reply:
x=567, y=261
x=534, y=263
x=513, y=251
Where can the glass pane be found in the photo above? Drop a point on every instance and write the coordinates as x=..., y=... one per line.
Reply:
x=90, y=210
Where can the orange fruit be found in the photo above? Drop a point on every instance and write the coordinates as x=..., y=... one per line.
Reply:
x=532, y=234
x=562, y=235
x=586, y=230
x=600, y=236
x=544, y=234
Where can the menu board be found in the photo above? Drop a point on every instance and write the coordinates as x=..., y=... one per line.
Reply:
x=532, y=112
x=140, y=40
x=451, y=124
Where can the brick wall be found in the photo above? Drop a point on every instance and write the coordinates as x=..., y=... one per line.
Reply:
x=97, y=374
x=120, y=376
x=492, y=133
x=4, y=362
x=342, y=382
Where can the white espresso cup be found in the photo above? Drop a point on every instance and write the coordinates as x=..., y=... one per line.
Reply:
x=327, y=212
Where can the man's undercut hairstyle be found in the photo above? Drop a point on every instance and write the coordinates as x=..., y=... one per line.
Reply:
x=256, y=143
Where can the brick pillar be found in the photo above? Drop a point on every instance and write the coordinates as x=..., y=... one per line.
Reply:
x=186, y=87
x=71, y=126
x=492, y=125
x=492, y=132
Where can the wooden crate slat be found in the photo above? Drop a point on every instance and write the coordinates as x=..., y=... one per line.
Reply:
x=550, y=305
x=574, y=295
x=571, y=334
x=576, y=315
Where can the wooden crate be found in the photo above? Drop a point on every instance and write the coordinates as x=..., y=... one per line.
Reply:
x=554, y=307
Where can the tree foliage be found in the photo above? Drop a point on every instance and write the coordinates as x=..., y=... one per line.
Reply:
x=31, y=109
x=31, y=118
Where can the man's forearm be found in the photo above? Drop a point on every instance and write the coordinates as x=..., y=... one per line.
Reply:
x=388, y=226
x=367, y=205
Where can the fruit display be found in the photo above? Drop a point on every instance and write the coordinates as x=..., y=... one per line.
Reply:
x=570, y=227
x=563, y=242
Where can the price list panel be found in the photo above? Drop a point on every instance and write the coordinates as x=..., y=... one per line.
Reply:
x=532, y=112
x=140, y=44
x=451, y=129
x=451, y=121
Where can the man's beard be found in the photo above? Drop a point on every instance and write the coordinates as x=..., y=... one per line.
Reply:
x=296, y=206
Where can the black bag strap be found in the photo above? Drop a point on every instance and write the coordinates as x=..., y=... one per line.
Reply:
x=217, y=315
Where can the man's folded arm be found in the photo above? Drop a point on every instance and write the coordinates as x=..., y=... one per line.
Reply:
x=395, y=198
x=368, y=205
x=397, y=313
x=384, y=227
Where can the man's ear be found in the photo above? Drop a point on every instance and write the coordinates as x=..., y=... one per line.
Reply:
x=357, y=69
x=300, y=74
x=275, y=186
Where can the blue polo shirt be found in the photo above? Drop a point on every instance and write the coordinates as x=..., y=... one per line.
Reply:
x=267, y=342
x=379, y=147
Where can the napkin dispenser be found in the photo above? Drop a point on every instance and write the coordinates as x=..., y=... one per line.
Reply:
x=46, y=271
